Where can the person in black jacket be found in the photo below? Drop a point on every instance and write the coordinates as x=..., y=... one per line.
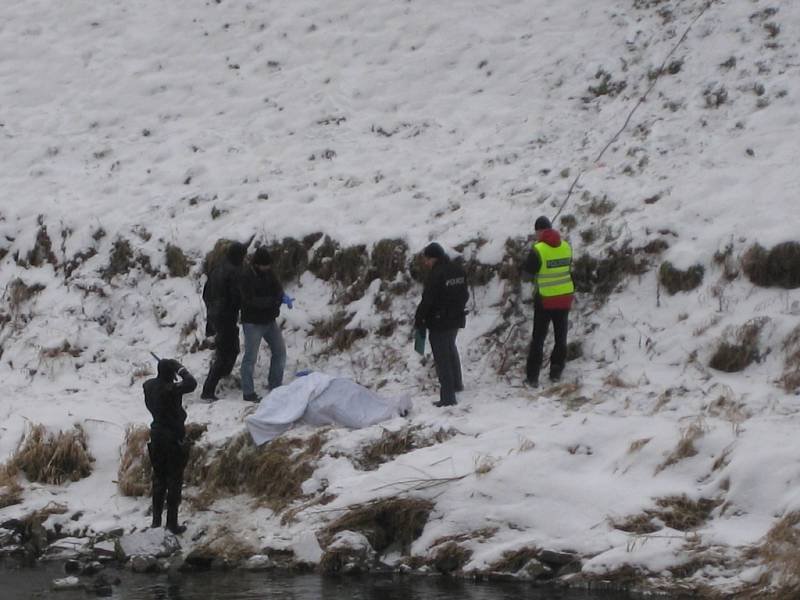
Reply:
x=221, y=297
x=261, y=295
x=442, y=312
x=167, y=448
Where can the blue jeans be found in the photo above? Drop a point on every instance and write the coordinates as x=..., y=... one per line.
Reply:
x=253, y=334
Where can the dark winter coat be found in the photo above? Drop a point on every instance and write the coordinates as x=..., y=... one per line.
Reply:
x=261, y=295
x=221, y=292
x=163, y=398
x=444, y=298
x=531, y=266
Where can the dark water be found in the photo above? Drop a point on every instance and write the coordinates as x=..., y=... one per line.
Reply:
x=27, y=583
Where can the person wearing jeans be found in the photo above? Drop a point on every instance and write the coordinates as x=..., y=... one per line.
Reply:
x=261, y=296
x=253, y=334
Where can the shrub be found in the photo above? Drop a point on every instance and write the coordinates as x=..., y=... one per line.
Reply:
x=121, y=259
x=602, y=276
x=54, y=458
x=778, y=267
x=450, y=557
x=135, y=472
x=732, y=357
x=388, y=258
x=674, y=280
x=178, y=264
x=385, y=522
x=289, y=259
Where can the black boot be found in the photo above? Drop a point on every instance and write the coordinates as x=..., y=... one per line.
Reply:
x=172, y=521
x=158, y=508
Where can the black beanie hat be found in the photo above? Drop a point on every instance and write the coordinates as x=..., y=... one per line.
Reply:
x=262, y=256
x=542, y=223
x=434, y=250
x=236, y=253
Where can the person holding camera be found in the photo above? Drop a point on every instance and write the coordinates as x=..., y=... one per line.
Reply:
x=163, y=396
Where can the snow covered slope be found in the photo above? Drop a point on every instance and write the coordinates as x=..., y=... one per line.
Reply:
x=658, y=130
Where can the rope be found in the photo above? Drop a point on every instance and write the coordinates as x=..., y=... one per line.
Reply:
x=639, y=102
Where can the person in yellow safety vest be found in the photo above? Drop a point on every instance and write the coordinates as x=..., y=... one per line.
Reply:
x=549, y=264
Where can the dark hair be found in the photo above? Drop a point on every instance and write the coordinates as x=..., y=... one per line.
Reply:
x=236, y=253
x=542, y=223
x=434, y=250
x=262, y=256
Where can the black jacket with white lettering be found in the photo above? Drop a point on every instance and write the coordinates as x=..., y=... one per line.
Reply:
x=444, y=298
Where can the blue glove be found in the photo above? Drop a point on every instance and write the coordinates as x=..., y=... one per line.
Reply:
x=287, y=300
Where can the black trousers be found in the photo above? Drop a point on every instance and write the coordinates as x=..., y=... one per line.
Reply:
x=541, y=323
x=168, y=458
x=448, y=364
x=226, y=350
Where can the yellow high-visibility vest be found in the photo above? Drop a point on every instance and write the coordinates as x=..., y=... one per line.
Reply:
x=553, y=278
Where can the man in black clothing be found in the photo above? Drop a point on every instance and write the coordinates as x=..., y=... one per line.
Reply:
x=221, y=296
x=442, y=312
x=168, y=453
x=261, y=295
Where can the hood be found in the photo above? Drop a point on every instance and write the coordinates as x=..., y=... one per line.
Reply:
x=551, y=237
x=236, y=253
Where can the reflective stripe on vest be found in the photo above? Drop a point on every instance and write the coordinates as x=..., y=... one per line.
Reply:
x=554, y=277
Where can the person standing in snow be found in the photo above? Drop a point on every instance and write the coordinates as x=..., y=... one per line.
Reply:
x=261, y=295
x=221, y=297
x=442, y=312
x=549, y=263
x=167, y=447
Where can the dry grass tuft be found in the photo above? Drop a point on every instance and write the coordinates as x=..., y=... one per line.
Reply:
x=614, y=380
x=272, y=473
x=18, y=293
x=10, y=489
x=226, y=546
x=683, y=513
x=334, y=330
x=135, y=472
x=386, y=522
x=637, y=445
x=178, y=264
x=641, y=524
x=54, y=458
x=675, y=280
x=512, y=561
x=790, y=380
x=395, y=443
x=780, y=553
x=732, y=357
x=685, y=447
x=484, y=464
x=450, y=557
x=779, y=267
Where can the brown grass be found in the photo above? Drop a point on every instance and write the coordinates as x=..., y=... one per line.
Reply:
x=732, y=357
x=685, y=448
x=780, y=552
x=10, y=489
x=637, y=445
x=178, y=264
x=54, y=458
x=135, y=472
x=385, y=522
x=675, y=280
x=512, y=561
x=450, y=557
x=272, y=473
x=227, y=546
x=18, y=293
x=777, y=267
x=683, y=513
x=395, y=443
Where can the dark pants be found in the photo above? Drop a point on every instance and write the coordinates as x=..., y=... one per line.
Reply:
x=541, y=323
x=226, y=349
x=448, y=364
x=168, y=457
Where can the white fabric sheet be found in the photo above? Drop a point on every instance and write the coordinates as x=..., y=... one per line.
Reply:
x=320, y=399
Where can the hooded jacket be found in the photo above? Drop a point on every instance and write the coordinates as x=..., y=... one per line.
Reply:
x=163, y=398
x=221, y=292
x=261, y=294
x=532, y=266
x=444, y=298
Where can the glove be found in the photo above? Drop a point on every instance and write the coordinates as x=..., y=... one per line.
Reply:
x=287, y=300
x=419, y=341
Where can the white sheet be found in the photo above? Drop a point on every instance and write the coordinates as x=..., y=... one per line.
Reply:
x=320, y=399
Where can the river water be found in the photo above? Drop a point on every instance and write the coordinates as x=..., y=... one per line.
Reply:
x=27, y=583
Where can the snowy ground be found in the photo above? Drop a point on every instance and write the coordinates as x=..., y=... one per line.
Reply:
x=181, y=123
